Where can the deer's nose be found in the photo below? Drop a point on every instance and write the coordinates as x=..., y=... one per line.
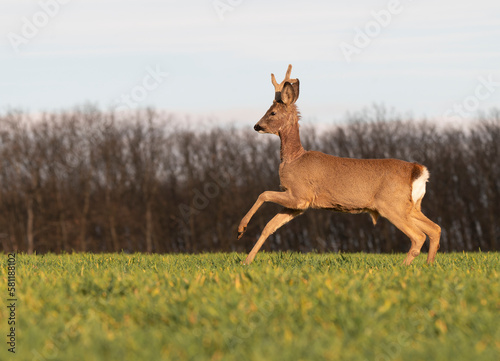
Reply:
x=258, y=128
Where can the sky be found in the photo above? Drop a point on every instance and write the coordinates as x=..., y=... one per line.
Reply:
x=212, y=59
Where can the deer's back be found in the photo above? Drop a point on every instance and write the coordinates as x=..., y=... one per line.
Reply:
x=346, y=184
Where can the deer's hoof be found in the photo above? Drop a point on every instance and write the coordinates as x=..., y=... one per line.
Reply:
x=241, y=231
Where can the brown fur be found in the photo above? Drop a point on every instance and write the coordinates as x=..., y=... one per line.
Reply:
x=416, y=171
x=312, y=179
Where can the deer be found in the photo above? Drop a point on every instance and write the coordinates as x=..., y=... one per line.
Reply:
x=390, y=188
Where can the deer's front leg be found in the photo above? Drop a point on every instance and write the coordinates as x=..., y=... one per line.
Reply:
x=283, y=217
x=282, y=198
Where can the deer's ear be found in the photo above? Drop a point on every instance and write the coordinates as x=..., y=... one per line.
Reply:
x=290, y=92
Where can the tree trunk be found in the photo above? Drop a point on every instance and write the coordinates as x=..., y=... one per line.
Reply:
x=29, y=224
x=114, y=236
x=149, y=228
x=83, y=221
x=62, y=222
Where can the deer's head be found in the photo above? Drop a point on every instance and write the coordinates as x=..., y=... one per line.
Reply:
x=283, y=111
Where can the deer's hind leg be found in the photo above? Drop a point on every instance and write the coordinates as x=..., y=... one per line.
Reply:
x=283, y=217
x=402, y=219
x=431, y=229
x=417, y=238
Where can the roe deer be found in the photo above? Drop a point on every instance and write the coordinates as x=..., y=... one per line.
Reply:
x=390, y=188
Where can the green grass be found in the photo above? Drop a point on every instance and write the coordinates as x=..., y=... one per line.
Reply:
x=285, y=306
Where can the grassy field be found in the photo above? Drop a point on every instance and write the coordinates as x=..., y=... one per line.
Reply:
x=285, y=306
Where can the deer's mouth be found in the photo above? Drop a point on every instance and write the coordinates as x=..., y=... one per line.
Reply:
x=259, y=129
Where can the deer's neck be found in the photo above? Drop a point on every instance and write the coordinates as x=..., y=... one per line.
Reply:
x=291, y=148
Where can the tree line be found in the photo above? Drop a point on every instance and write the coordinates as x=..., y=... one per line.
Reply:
x=90, y=180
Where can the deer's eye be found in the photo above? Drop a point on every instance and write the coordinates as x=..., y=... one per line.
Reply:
x=273, y=113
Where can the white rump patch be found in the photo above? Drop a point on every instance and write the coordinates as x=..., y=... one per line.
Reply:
x=418, y=186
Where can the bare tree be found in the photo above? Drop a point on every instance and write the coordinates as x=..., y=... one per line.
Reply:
x=90, y=180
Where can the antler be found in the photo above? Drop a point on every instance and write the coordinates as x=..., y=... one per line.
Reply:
x=279, y=87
